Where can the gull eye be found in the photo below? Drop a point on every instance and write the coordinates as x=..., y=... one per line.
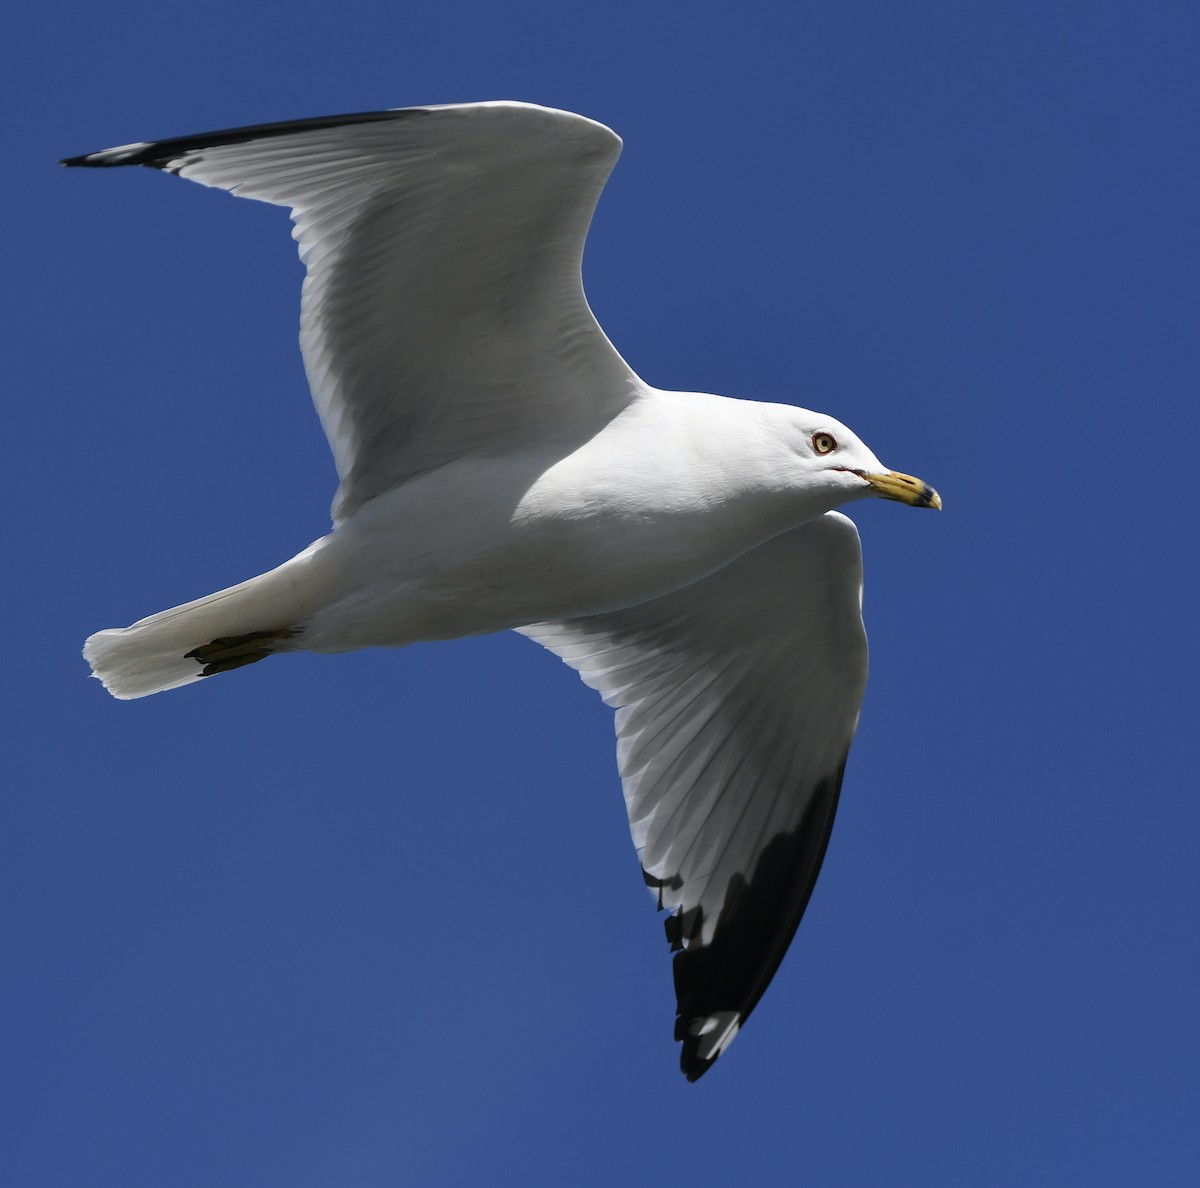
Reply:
x=823, y=443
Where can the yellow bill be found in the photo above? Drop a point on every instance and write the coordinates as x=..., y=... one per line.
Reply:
x=891, y=484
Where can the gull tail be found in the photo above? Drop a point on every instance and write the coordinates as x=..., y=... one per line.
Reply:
x=222, y=631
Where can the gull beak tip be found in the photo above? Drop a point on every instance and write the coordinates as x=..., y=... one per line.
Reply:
x=904, y=488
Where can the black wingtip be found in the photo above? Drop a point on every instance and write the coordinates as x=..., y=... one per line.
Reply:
x=158, y=154
x=125, y=154
x=718, y=984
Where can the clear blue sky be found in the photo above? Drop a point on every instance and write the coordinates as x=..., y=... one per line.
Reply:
x=375, y=920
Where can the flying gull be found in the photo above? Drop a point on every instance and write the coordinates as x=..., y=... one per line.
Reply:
x=502, y=467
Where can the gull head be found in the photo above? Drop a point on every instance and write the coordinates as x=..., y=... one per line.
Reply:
x=833, y=458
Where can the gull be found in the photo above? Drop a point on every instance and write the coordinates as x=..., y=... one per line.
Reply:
x=502, y=468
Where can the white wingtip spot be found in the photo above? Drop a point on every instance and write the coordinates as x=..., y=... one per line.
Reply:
x=715, y=1032
x=118, y=155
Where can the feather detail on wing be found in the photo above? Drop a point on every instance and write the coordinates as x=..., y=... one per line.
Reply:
x=737, y=699
x=443, y=312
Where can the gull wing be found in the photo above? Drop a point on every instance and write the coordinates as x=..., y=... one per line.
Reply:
x=737, y=699
x=443, y=313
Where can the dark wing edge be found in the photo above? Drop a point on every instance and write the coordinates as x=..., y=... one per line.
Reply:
x=159, y=154
x=717, y=986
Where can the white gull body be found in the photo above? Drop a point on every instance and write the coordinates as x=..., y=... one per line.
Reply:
x=503, y=468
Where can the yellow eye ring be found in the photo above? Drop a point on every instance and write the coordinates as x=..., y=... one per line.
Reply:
x=824, y=443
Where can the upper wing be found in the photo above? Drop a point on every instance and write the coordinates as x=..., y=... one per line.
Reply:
x=443, y=313
x=736, y=698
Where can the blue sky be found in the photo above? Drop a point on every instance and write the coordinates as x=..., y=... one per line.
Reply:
x=375, y=919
